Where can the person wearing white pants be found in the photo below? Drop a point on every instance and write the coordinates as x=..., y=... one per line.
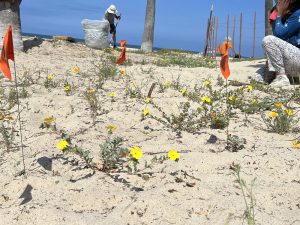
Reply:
x=283, y=49
x=283, y=59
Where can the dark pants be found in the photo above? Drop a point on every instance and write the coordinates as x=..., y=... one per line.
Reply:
x=112, y=29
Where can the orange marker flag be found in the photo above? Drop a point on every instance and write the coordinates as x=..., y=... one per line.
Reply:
x=7, y=53
x=122, y=57
x=224, y=64
x=219, y=49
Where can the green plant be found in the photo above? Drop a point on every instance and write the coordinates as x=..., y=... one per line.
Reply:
x=67, y=88
x=220, y=81
x=188, y=119
x=105, y=72
x=48, y=123
x=112, y=152
x=235, y=143
x=49, y=82
x=281, y=119
x=12, y=98
x=7, y=134
x=247, y=193
x=67, y=147
x=219, y=120
x=132, y=89
x=93, y=101
x=184, y=60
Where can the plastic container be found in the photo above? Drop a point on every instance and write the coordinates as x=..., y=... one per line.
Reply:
x=96, y=33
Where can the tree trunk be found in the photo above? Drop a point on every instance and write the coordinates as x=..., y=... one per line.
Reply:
x=10, y=15
x=268, y=7
x=148, y=37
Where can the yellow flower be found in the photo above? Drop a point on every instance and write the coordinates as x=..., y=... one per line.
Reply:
x=67, y=88
x=148, y=100
x=75, y=69
x=278, y=105
x=49, y=120
x=273, y=114
x=249, y=87
x=62, y=144
x=289, y=112
x=253, y=101
x=146, y=112
x=50, y=77
x=173, y=155
x=122, y=72
x=136, y=152
x=111, y=128
x=167, y=83
x=90, y=90
x=207, y=83
x=112, y=94
x=183, y=91
x=205, y=99
x=296, y=144
x=230, y=98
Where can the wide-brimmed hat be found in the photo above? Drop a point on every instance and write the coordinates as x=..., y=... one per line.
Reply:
x=112, y=9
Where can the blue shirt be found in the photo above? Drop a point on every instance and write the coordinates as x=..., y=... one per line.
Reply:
x=289, y=30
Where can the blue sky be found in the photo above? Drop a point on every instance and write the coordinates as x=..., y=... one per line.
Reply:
x=179, y=24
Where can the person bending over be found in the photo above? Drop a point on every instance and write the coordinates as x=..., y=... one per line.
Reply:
x=110, y=15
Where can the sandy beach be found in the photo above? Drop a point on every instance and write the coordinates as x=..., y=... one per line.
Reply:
x=198, y=189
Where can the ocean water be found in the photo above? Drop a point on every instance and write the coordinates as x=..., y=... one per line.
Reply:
x=78, y=40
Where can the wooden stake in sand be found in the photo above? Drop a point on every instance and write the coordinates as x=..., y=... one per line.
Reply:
x=240, y=44
x=208, y=30
x=19, y=116
x=233, y=33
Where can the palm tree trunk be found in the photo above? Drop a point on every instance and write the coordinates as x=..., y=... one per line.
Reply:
x=148, y=37
x=10, y=14
x=268, y=7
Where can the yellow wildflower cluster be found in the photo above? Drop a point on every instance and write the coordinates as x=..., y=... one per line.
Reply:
x=249, y=87
x=289, y=112
x=111, y=128
x=90, y=91
x=273, y=114
x=75, y=70
x=50, y=77
x=67, y=87
x=281, y=108
x=146, y=112
x=122, y=72
x=296, y=144
x=253, y=101
x=62, y=144
x=173, y=155
x=206, y=99
x=112, y=94
x=183, y=92
x=49, y=120
x=167, y=83
x=278, y=105
x=136, y=152
x=148, y=100
x=207, y=83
